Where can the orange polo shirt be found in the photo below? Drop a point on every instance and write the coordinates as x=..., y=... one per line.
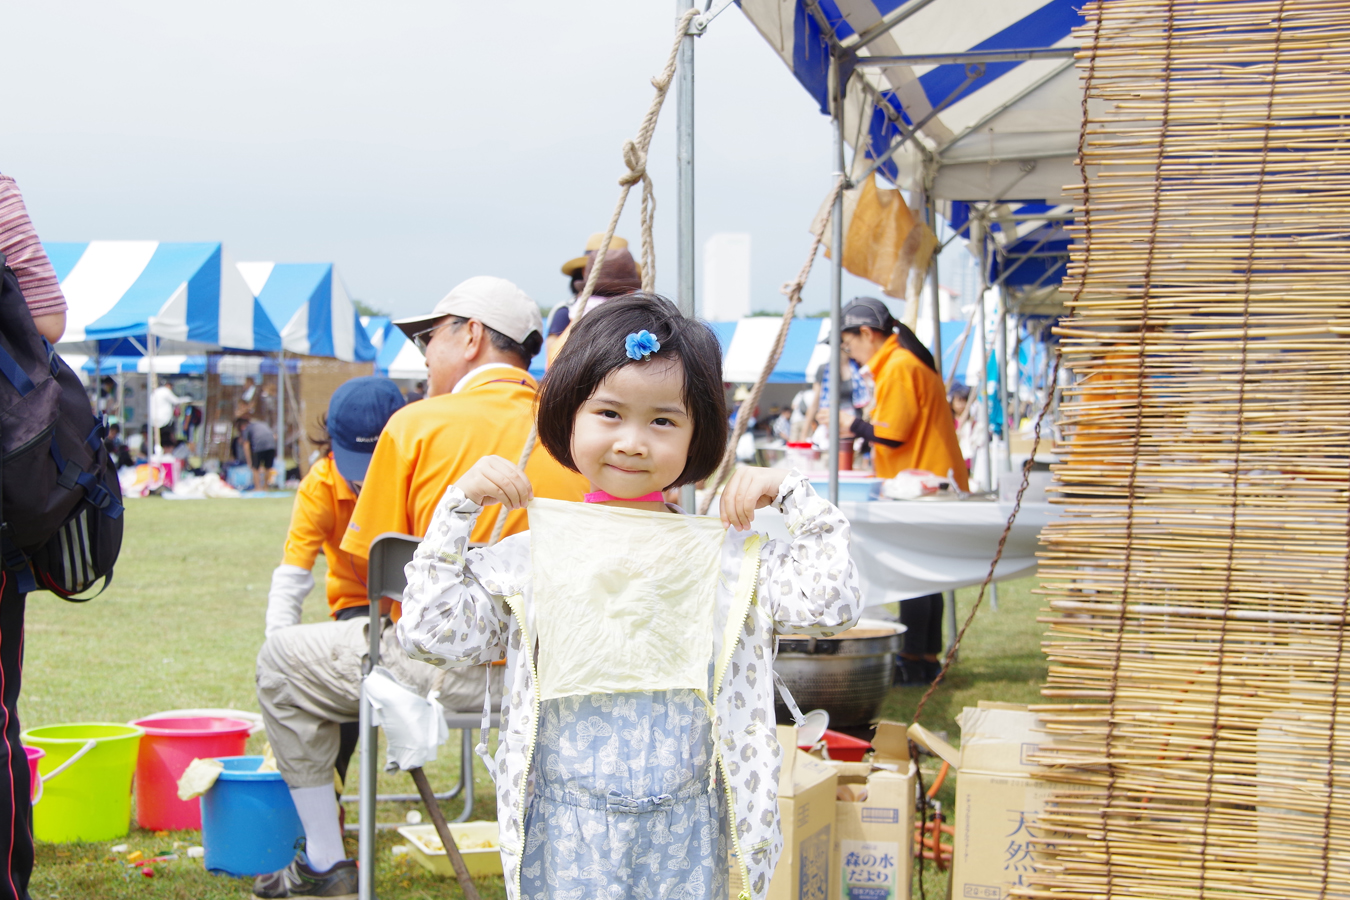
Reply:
x=911, y=407
x=426, y=446
x=323, y=506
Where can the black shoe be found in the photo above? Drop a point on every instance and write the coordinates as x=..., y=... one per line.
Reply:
x=909, y=672
x=931, y=670
x=299, y=880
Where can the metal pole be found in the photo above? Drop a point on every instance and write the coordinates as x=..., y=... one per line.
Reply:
x=370, y=772
x=934, y=293
x=982, y=348
x=836, y=285
x=684, y=175
x=151, y=432
x=281, y=412
x=949, y=613
x=1001, y=384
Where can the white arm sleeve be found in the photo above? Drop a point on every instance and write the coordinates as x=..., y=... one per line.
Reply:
x=290, y=586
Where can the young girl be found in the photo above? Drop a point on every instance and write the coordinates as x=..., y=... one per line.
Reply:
x=634, y=794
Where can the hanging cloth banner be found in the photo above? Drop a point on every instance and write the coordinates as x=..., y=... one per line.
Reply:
x=624, y=599
x=883, y=242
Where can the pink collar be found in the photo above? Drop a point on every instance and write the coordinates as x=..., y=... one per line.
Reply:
x=605, y=497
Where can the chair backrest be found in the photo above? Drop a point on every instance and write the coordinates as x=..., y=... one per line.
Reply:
x=389, y=553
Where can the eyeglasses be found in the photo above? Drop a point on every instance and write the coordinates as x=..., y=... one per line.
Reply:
x=424, y=337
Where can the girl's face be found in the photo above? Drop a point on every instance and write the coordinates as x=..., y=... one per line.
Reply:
x=631, y=437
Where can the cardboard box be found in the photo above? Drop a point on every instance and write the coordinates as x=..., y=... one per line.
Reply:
x=806, y=788
x=998, y=797
x=874, y=821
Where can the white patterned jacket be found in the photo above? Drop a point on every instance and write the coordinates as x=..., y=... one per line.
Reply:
x=467, y=607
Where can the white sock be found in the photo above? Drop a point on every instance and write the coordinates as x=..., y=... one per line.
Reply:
x=318, y=811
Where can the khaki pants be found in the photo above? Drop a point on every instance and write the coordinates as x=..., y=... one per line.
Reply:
x=309, y=681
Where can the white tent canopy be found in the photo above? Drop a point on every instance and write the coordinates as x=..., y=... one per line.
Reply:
x=991, y=85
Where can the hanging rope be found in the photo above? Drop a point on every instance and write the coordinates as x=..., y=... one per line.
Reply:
x=793, y=290
x=635, y=158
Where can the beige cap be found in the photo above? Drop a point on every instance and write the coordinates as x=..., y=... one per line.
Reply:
x=573, y=267
x=495, y=302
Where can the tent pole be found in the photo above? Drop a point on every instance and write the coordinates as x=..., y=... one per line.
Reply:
x=982, y=348
x=281, y=411
x=684, y=170
x=1001, y=385
x=151, y=432
x=836, y=284
x=933, y=288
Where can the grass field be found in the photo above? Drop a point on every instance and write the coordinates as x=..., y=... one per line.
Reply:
x=182, y=623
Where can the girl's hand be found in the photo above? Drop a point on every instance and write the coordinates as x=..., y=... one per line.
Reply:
x=749, y=489
x=496, y=480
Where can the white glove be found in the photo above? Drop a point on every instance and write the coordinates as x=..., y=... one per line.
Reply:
x=414, y=726
x=290, y=586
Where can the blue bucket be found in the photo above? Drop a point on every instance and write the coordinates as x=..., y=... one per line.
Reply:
x=249, y=823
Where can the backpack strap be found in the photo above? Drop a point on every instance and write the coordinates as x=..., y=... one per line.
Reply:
x=16, y=561
x=15, y=374
x=94, y=491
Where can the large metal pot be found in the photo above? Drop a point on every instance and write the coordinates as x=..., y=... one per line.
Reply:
x=847, y=675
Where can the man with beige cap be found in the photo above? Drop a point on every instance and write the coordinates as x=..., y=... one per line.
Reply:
x=478, y=342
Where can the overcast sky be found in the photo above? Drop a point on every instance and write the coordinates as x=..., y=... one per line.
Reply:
x=413, y=144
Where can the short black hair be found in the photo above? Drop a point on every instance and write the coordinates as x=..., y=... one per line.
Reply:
x=525, y=352
x=596, y=347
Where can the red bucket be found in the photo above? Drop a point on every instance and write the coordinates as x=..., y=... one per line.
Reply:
x=34, y=755
x=166, y=750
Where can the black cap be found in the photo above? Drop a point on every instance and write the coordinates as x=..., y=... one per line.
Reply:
x=867, y=311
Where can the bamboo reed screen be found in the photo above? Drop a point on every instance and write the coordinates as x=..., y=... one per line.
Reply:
x=1197, y=581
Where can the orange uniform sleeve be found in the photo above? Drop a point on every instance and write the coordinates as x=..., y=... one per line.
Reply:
x=896, y=413
x=383, y=504
x=311, y=523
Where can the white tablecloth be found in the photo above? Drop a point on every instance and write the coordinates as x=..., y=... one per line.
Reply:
x=910, y=548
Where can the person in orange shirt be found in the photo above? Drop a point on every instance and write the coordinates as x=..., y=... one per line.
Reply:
x=478, y=342
x=911, y=428
x=324, y=502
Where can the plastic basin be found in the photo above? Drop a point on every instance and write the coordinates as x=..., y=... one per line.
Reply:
x=425, y=845
x=249, y=823
x=91, y=799
x=34, y=755
x=169, y=745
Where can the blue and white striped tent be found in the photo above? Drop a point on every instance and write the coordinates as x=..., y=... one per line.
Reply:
x=989, y=84
x=397, y=356
x=189, y=296
x=311, y=309
x=745, y=347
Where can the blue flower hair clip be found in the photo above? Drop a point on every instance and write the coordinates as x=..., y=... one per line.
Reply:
x=641, y=345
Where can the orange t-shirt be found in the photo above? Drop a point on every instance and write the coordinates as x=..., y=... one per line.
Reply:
x=426, y=446
x=323, y=506
x=911, y=407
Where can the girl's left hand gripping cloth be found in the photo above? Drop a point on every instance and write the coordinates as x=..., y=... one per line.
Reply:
x=467, y=607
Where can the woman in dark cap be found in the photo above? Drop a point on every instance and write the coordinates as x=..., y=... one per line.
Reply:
x=911, y=428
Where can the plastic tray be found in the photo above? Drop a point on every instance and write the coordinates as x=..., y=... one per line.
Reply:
x=485, y=861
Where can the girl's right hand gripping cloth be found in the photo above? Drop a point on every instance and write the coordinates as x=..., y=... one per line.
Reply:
x=465, y=607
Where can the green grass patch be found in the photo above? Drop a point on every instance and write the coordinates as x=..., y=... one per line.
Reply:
x=181, y=626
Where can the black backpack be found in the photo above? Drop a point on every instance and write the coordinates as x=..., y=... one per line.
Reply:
x=60, y=501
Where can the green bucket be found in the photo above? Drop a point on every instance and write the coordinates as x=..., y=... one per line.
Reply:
x=86, y=780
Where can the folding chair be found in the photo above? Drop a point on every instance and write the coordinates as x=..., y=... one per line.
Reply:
x=389, y=553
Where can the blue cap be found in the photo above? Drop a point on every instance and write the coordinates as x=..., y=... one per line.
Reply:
x=356, y=416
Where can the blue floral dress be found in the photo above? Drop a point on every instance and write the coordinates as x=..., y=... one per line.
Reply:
x=624, y=804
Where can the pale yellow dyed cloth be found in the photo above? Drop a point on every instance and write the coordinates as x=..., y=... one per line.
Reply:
x=623, y=599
